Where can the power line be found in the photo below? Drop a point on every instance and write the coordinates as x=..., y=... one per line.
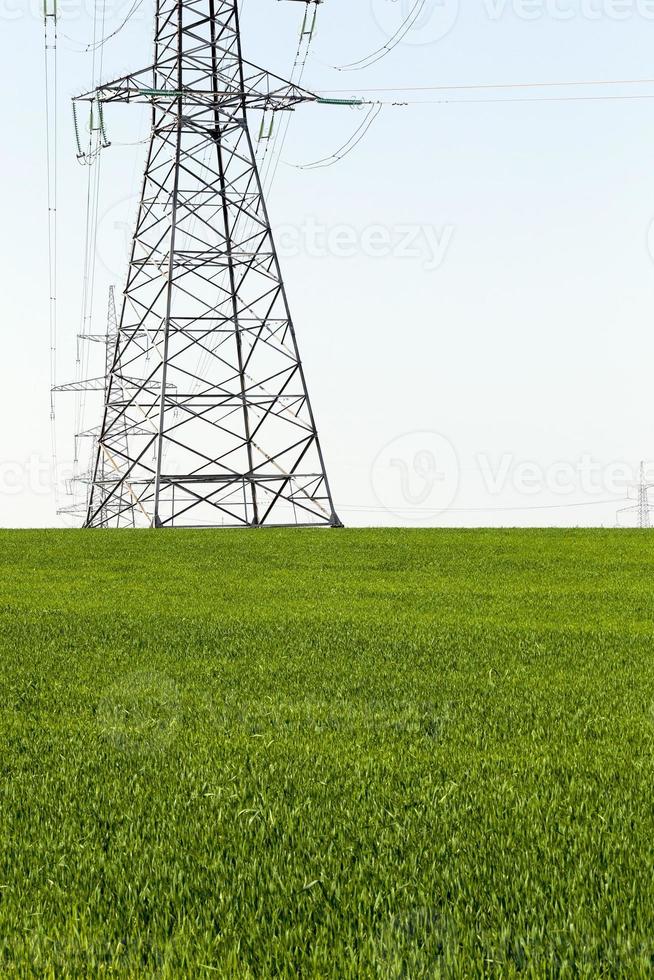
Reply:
x=390, y=45
x=544, y=99
x=92, y=158
x=297, y=74
x=503, y=85
x=51, y=139
x=480, y=510
x=94, y=45
x=344, y=151
x=370, y=118
x=363, y=129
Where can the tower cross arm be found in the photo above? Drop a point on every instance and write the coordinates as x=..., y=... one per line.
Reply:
x=260, y=89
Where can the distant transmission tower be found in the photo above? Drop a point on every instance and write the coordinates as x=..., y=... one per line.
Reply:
x=641, y=509
x=207, y=419
x=643, y=500
x=109, y=340
x=113, y=506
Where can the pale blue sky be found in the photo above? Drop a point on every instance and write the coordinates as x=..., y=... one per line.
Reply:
x=517, y=331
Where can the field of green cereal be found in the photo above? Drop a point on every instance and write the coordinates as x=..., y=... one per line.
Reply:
x=339, y=754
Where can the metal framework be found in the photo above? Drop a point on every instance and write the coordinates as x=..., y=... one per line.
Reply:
x=642, y=509
x=207, y=419
x=108, y=340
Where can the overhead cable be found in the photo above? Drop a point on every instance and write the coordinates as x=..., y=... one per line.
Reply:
x=390, y=45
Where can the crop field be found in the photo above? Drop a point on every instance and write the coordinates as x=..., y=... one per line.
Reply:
x=366, y=753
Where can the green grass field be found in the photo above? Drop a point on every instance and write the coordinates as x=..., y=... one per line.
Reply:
x=327, y=754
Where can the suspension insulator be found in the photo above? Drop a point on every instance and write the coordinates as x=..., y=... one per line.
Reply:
x=80, y=153
x=103, y=134
x=265, y=133
x=309, y=22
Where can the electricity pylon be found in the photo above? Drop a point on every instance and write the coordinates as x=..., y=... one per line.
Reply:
x=207, y=419
x=643, y=500
x=642, y=508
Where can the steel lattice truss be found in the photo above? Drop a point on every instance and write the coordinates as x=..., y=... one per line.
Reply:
x=207, y=420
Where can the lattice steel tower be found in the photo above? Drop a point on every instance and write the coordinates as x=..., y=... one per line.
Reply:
x=207, y=419
x=642, y=509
